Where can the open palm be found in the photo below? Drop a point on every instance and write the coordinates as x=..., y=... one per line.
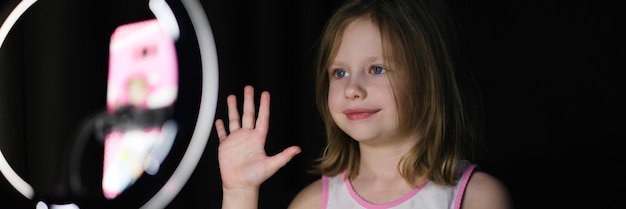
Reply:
x=242, y=159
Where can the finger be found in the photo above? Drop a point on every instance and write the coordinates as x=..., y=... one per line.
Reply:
x=262, y=121
x=281, y=159
x=247, y=120
x=221, y=131
x=233, y=113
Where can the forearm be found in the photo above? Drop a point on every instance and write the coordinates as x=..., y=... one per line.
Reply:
x=240, y=198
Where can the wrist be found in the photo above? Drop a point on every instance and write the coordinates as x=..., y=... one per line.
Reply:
x=240, y=198
x=241, y=191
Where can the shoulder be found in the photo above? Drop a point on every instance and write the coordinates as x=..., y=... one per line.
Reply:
x=309, y=197
x=485, y=191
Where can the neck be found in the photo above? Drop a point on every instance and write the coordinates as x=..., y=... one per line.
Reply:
x=379, y=180
x=382, y=161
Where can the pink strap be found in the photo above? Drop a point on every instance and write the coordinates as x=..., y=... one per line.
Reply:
x=463, y=184
x=325, y=183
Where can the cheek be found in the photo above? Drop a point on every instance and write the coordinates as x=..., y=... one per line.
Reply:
x=395, y=112
x=387, y=98
x=333, y=101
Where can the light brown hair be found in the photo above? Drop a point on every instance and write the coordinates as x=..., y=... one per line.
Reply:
x=416, y=38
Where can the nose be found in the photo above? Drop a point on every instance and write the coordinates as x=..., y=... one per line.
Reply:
x=355, y=89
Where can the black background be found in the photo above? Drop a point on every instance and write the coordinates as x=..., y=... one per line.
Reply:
x=549, y=74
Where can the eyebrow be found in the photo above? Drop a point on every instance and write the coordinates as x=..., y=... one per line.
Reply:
x=370, y=59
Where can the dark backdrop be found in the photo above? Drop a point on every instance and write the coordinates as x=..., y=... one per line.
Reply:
x=549, y=74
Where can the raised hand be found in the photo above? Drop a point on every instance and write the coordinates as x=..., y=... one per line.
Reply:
x=243, y=163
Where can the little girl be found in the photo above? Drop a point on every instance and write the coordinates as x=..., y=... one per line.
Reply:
x=399, y=133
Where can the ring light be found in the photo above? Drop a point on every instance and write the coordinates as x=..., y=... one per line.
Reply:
x=169, y=19
x=12, y=177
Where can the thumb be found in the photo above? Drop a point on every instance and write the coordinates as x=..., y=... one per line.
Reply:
x=281, y=159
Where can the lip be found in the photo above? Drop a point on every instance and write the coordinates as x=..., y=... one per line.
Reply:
x=359, y=113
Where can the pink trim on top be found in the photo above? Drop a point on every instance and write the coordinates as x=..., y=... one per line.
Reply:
x=369, y=205
x=465, y=179
x=325, y=183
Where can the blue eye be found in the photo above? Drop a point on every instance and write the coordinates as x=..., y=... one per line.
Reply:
x=378, y=70
x=339, y=73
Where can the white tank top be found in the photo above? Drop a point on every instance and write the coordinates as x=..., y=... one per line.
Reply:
x=338, y=193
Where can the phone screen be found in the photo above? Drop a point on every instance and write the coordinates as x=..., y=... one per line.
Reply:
x=142, y=87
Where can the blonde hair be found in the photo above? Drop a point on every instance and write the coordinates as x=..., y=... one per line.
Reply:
x=416, y=43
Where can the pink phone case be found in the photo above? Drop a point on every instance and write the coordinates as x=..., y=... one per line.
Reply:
x=142, y=67
x=143, y=74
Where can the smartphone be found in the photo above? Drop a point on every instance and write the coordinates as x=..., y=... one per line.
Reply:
x=142, y=88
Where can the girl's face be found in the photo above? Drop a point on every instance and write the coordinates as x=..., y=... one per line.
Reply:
x=137, y=91
x=359, y=98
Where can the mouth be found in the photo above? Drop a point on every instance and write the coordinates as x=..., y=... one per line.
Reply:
x=358, y=114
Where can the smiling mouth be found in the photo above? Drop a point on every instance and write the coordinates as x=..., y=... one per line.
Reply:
x=359, y=114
